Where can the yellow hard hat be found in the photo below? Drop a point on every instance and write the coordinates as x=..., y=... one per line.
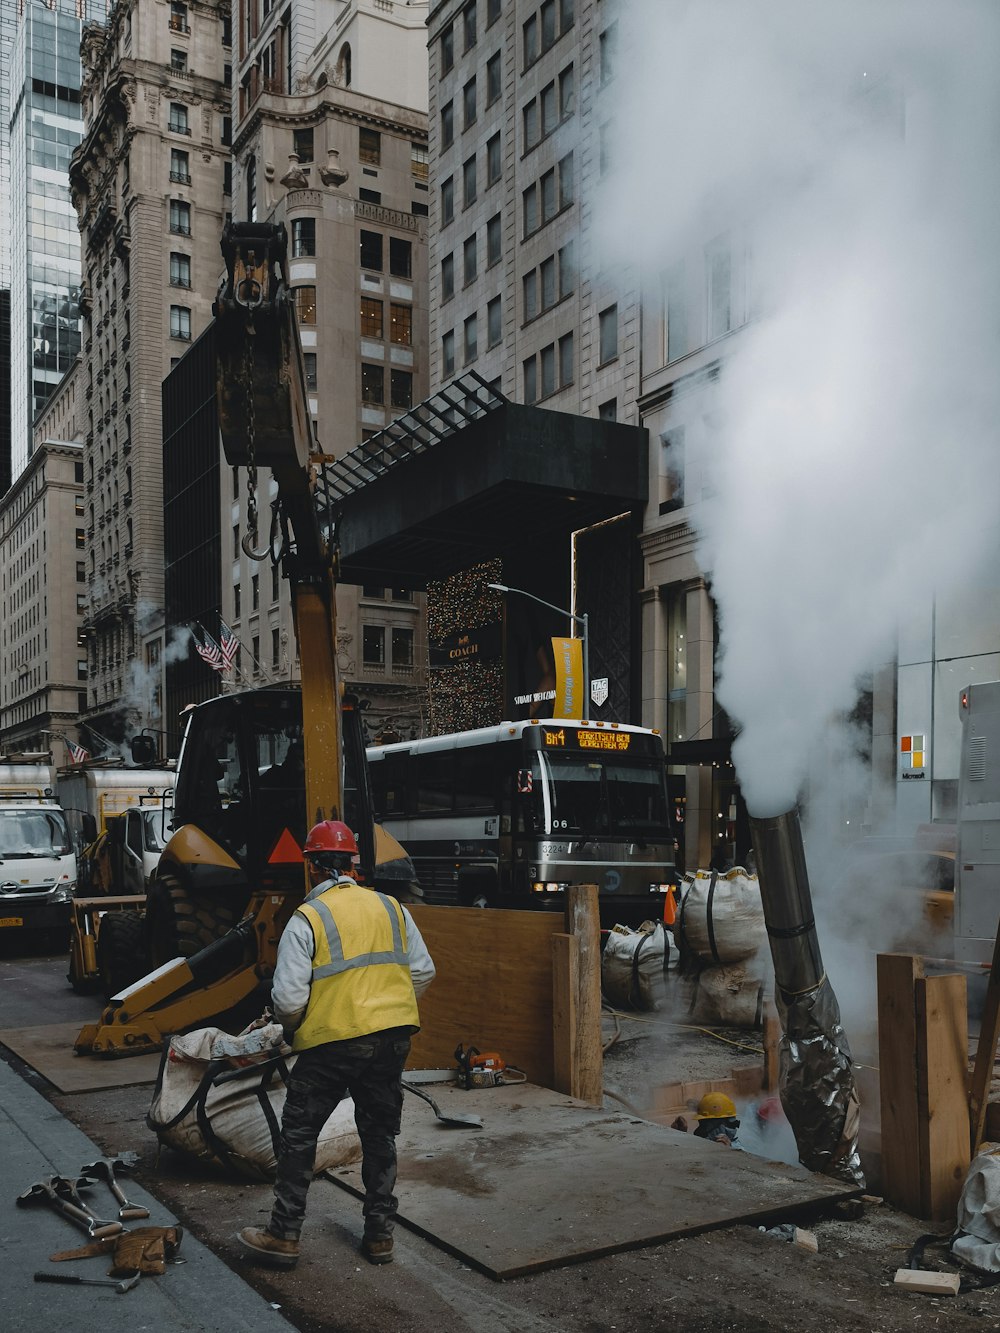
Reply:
x=716, y=1106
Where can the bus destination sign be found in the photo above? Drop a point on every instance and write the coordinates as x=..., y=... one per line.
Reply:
x=588, y=740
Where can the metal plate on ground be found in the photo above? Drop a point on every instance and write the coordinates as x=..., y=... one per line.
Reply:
x=49, y=1051
x=549, y=1181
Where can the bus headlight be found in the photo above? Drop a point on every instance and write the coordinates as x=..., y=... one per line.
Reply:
x=659, y=888
x=540, y=886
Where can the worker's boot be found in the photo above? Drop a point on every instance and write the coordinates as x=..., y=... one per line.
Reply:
x=263, y=1248
x=377, y=1249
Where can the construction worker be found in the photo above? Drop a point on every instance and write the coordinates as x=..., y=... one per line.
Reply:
x=717, y=1120
x=351, y=963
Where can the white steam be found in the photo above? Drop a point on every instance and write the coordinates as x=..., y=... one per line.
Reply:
x=853, y=149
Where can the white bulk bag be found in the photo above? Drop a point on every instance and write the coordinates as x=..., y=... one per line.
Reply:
x=220, y=1098
x=632, y=966
x=721, y=919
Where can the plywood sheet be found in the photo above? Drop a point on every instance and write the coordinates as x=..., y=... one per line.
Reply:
x=550, y=1181
x=49, y=1051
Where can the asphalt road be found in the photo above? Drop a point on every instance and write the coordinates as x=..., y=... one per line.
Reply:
x=736, y=1278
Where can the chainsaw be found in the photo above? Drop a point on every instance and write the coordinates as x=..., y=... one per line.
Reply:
x=484, y=1069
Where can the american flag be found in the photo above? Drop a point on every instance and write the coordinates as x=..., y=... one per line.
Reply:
x=207, y=649
x=229, y=644
x=77, y=754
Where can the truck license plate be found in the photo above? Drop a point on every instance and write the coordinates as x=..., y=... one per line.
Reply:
x=11, y=920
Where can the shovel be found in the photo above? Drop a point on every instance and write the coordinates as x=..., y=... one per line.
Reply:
x=452, y=1121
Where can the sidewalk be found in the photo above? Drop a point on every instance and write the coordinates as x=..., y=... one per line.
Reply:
x=201, y=1295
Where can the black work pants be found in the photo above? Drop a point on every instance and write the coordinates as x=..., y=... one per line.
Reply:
x=370, y=1070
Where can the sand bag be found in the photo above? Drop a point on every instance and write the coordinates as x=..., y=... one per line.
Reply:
x=732, y=995
x=220, y=1098
x=721, y=918
x=976, y=1241
x=632, y=966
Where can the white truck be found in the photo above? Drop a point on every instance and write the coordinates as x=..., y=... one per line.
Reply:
x=38, y=866
x=977, y=865
x=117, y=819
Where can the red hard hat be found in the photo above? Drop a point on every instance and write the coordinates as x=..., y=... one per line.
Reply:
x=330, y=836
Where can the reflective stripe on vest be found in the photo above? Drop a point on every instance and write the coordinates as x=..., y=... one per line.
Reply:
x=338, y=963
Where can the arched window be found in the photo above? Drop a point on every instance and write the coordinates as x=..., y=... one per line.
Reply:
x=344, y=65
x=251, y=188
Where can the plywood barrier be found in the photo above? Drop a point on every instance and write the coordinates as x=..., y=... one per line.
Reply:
x=523, y=984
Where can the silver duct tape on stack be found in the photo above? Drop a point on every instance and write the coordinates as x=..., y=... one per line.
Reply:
x=816, y=1076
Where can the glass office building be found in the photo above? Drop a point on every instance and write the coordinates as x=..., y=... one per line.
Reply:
x=45, y=126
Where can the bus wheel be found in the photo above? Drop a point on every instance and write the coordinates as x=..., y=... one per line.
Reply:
x=119, y=951
x=179, y=924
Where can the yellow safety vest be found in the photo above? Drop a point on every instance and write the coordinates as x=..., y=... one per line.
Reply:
x=361, y=979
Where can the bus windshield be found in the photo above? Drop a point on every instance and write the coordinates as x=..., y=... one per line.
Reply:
x=596, y=797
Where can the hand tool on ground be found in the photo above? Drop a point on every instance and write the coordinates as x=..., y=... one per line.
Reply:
x=148, y=1249
x=69, y=1189
x=104, y=1169
x=119, y=1284
x=452, y=1121
x=44, y=1191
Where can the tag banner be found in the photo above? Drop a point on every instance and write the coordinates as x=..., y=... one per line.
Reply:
x=568, y=657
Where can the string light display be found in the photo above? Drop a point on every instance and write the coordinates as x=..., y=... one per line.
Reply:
x=466, y=694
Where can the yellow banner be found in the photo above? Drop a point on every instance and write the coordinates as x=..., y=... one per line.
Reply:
x=568, y=657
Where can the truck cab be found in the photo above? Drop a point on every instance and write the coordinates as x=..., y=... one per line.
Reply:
x=37, y=860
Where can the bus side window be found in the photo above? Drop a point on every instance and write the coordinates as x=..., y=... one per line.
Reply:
x=476, y=778
x=435, y=783
x=389, y=784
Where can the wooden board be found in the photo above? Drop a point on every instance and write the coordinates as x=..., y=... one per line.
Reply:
x=897, y=1042
x=49, y=1051
x=942, y=1071
x=493, y=987
x=550, y=1181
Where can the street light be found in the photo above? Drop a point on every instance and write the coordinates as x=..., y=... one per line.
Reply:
x=574, y=619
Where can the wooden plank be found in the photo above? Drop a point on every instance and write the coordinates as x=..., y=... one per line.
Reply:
x=493, y=987
x=565, y=984
x=897, y=1041
x=49, y=1051
x=550, y=1181
x=982, y=1071
x=934, y=1284
x=942, y=1044
x=584, y=921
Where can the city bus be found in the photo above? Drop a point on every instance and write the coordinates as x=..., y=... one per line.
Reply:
x=509, y=815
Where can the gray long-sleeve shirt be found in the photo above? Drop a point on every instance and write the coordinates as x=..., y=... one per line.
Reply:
x=292, y=981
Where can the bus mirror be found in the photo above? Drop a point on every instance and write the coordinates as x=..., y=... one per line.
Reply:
x=144, y=752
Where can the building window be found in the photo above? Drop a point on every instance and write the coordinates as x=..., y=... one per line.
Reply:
x=447, y=200
x=447, y=277
x=305, y=305
x=548, y=360
x=469, y=24
x=607, y=49
x=608, y=411
x=371, y=317
x=227, y=177
x=400, y=258
x=373, y=645
x=471, y=339
x=81, y=539
x=275, y=570
x=469, y=103
x=494, y=165
x=180, y=322
x=303, y=237
x=371, y=251
x=608, y=325
x=493, y=79
x=402, y=647
x=494, y=241
x=252, y=188
x=529, y=125
x=372, y=385
x=275, y=648
x=548, y=191
x=677, y=321
x=529, y=208
x=567, y=93
x=447, y=49
x=255, y=592
x=370, y=196
x=180, y=270
x=400, y=389
x=469, y=182
x=718, y=265
x=418, y=161
x=178, y=118
x=178, y=16
x=470, y=262
x=565, y=360
x=672, y=471
x=401, y=324
x=180, y=168
x=302, y=143
x=81, y=572
x=530, y=381
x=494, y=322
x=178, y=61
x=227, y=131
x=81, y=603
x=548, y=101
x=448, y=353
x=567, y=189
x=237, y=595
x=547, y=282
x=447, y=125
x=567, y=271
x=369, y=147
x=529, y=36
x=529, y=291
x=81, y=668
x=309, y=368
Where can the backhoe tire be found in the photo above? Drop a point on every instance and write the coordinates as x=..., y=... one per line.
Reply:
x=179, y=924
x=119, y=951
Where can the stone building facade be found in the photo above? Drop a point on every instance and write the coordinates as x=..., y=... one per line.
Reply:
x=150, y=183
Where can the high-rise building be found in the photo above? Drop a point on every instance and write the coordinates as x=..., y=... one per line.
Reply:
x=150, y=182
x=42, y=92
x=330, y=138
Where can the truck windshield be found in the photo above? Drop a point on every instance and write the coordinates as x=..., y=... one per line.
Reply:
x=32, y=833
x=599, y=798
